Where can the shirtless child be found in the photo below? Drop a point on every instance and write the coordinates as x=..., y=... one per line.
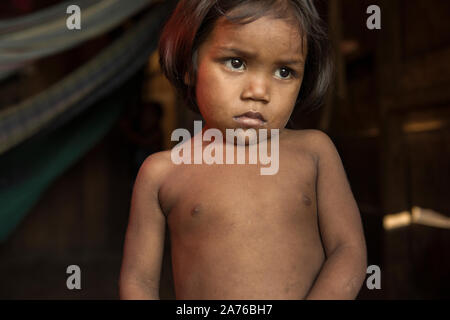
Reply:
x=237, y=234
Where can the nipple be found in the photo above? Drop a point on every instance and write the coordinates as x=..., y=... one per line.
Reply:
x=195, y=210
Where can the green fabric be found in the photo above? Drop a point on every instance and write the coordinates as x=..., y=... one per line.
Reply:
x=50, y=158
x=31, y=166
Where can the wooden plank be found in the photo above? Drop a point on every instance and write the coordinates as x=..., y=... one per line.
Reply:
x=426, y=71
x=393, y=183
x=95, y=198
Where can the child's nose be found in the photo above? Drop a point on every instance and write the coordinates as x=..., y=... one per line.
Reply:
x=257, y=88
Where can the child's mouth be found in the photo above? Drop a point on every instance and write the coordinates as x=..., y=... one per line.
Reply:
x=250, y=119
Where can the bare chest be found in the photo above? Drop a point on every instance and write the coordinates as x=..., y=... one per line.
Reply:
x=219, y=200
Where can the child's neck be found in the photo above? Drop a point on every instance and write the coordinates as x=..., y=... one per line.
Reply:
x=224, y=137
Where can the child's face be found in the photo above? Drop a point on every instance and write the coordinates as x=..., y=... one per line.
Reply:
x=245, y=68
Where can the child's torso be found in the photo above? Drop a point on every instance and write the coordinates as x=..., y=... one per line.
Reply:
x=237, y=234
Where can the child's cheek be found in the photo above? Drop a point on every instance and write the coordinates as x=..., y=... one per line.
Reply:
x=215, y=89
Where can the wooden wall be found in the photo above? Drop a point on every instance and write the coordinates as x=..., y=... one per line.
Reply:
x=393, y=133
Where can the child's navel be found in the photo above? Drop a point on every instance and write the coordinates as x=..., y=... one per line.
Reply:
x=306, y=200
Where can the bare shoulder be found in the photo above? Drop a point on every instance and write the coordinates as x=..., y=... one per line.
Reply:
x=315, y=141
x=155, y=168
x=318, y=139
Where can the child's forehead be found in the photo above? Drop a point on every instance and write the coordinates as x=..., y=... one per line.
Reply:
x=264, y=32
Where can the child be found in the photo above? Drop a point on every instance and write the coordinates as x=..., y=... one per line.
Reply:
x=237, y=234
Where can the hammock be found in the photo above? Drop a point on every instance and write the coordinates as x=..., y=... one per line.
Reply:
x=17, y=123
x=43, y=136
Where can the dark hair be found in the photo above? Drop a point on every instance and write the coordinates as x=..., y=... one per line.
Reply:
x=193, y=20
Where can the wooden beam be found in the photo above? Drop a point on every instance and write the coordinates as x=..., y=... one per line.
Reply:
x=394, y=175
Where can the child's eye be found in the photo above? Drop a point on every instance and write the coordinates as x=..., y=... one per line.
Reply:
x=285, y=73
x=234, y=64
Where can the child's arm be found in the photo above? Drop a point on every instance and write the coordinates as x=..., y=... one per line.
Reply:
x=144, y=241
x=340, y=225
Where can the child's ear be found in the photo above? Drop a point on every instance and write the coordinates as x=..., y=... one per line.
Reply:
x=187, y=80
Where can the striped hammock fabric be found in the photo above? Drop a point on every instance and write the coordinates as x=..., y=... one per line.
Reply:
x=22, y=121
x=44, y=135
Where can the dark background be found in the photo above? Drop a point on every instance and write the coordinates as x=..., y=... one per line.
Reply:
x=389, y=116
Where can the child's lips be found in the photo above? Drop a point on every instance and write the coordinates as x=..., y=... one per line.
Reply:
x=250, y=119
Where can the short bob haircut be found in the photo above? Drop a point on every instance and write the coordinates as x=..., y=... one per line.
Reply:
x=193, y=20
